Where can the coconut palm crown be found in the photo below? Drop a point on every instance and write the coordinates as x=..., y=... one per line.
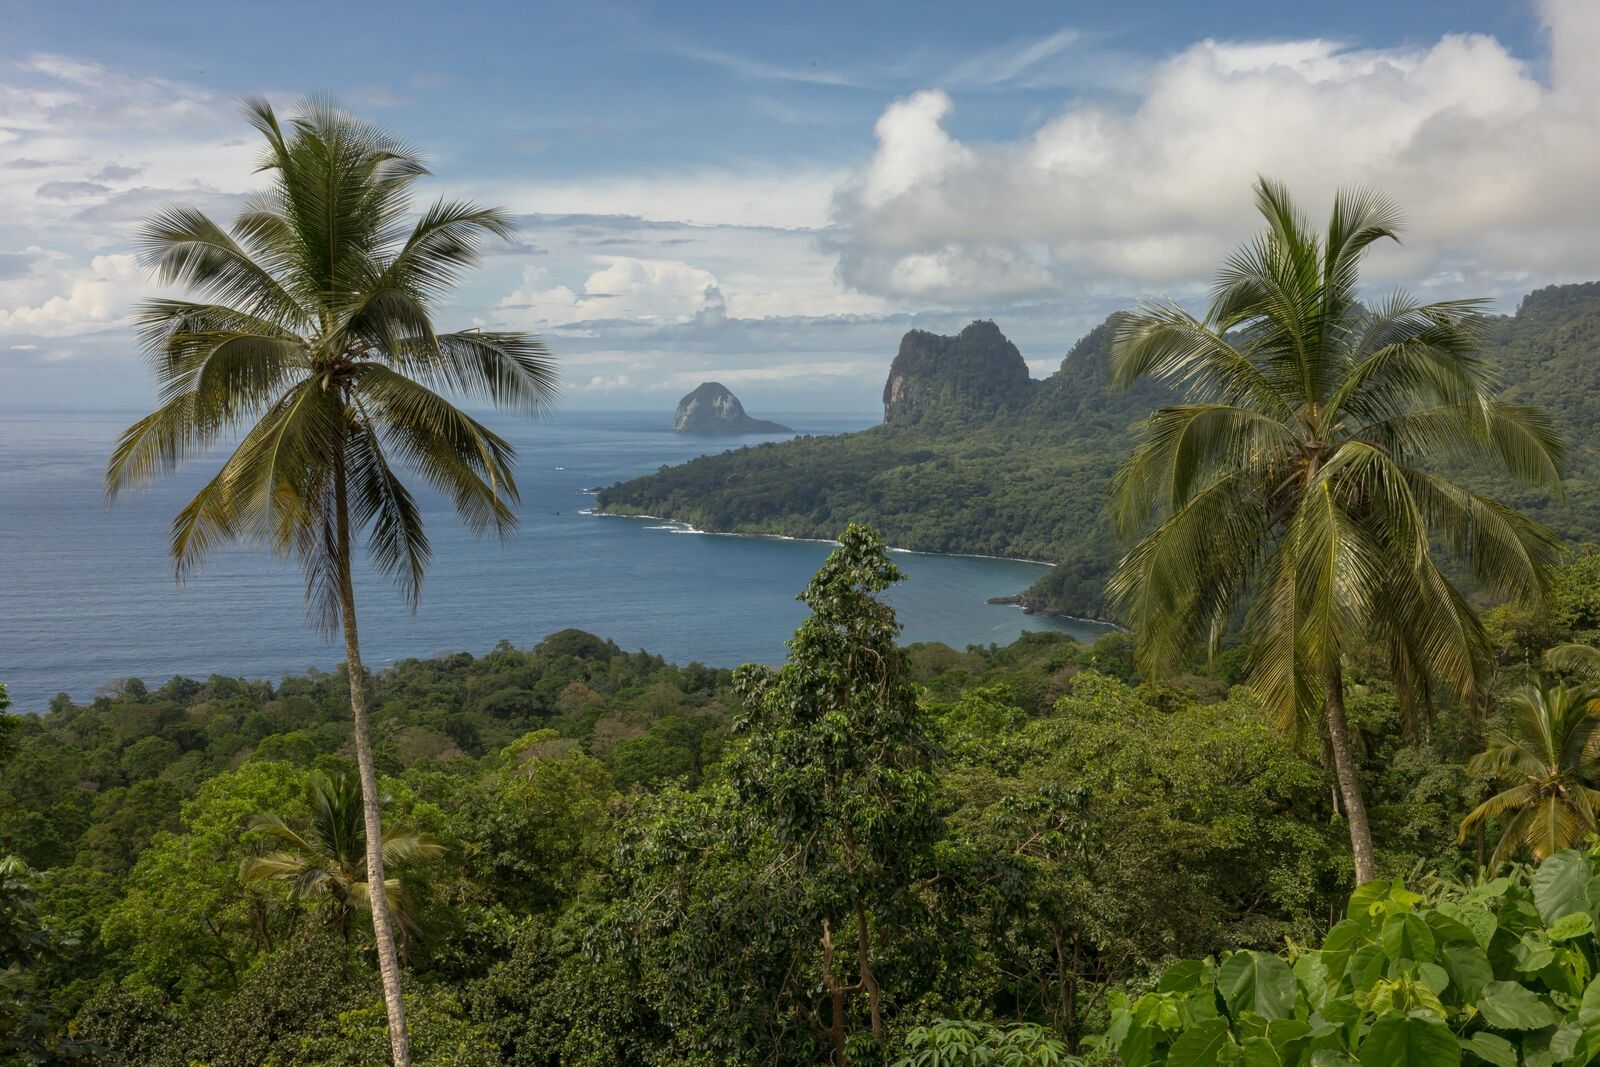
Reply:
x=1302, y=475
x=1548, y=762
x=316, y=340
x=327, y=860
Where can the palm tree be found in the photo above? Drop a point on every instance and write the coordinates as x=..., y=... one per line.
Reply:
x=1301, y=476
x=329, y=860
x=1548, y=762
x=313, y=337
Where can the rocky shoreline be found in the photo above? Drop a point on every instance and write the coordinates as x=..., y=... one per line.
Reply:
x=1030, y=606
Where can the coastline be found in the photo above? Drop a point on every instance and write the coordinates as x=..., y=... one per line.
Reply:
x=1017, y=600
x=685, y=527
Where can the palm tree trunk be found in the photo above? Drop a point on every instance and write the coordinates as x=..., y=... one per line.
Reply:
x=1344, y=764
x=382, y=927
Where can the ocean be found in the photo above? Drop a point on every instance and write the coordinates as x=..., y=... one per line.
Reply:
x=90, y=596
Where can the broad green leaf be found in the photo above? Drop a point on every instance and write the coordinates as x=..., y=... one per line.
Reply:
x=1589, y=1006
x=1433, y=977
x=1560, y=885
x=1249, y=1024
x=1282, y=1031
x=1510, y=1006
x=1480, y=921
x=1347, y=934
x=1317, y=979
x=1365, y=899
x=1137, y=1046
x=1569, y=973
x=1182, y=977
x=1409, y=1041
x=1200, y=1045
x=1533, y=954
x=1367, y=965
x=1344, y=938
x=1491, y=1048
x=1258, y=982
x=1564, y=1045
x=1575, y=924
x=1407, y=937
x=1469, y=969
x=1259, y=1052
x=1492, y=889
x=1447, y=929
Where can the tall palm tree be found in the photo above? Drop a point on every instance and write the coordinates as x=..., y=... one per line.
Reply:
x=1301, y=475
x=1548, y=760
x=313, y=337
x=329, y=859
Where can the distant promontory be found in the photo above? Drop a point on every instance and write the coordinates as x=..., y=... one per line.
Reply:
x=711, y=409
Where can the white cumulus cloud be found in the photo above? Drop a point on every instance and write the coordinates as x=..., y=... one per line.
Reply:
x=624, y=287
x=1495, y=167
x=93, y=299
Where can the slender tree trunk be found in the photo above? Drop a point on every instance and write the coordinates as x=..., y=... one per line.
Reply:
x=1355, y=808
x=382, y=927
x=869, y=981
x=839, y=1054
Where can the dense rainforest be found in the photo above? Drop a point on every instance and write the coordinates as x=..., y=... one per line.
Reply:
x=973, y=456
x=602, y=858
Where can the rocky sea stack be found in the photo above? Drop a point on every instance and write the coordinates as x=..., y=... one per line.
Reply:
x=711, y=409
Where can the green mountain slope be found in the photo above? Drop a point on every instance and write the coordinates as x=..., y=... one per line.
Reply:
x=973, y=456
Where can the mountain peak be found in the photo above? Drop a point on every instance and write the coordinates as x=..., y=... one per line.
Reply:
x=977, y=370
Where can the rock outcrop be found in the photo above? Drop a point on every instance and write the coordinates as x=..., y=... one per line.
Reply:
x=711, y=409
x=976, y=372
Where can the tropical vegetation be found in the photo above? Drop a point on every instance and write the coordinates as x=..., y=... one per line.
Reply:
x=328, y=859
x=1501, y=972
x=1300, y=476
x=871, y=854
x=636, y=868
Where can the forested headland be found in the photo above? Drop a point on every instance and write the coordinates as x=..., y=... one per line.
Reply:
x=989, y=462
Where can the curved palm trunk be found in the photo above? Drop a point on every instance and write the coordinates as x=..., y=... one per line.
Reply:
x=1344, y=764
x=382, y=927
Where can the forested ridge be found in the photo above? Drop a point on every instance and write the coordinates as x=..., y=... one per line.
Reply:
x=992, y=465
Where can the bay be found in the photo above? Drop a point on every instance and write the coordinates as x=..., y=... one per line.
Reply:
x=90, y=596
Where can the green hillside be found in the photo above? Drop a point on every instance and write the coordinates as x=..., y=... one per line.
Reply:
x=973, y=458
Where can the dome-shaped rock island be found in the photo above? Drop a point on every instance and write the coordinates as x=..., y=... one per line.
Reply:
x=711, y=409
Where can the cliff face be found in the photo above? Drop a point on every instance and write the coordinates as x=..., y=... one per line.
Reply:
x=977, y=371
x=712, y=409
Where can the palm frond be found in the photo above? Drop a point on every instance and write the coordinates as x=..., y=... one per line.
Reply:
x=1165, y=342
x=382, y=505
x=452, y=451
x=1582, y=660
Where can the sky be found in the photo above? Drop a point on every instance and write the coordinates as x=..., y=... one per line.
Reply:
x=769, y=195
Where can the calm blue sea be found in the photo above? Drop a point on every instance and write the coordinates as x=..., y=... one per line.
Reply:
x=89, y=594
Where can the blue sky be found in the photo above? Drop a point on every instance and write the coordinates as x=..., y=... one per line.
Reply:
x=770, y=194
